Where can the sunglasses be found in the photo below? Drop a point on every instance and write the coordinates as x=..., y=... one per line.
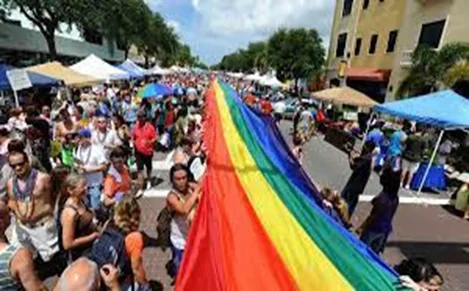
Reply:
x=14, y=166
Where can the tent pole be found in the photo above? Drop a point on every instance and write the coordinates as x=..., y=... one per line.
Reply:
x=368, y=126
x=430, y=162
x=17, y=102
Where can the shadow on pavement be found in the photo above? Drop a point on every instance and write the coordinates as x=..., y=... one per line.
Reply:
x=435, y=252
x=451, y=210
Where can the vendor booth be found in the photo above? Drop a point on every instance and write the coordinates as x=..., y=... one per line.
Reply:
x=446, y=110
x=134, y=70
x=344, y=96
x=157, y=70
x=69, y=76
x=37, y=79
x=96, y=67
x=31, y=79
x=341, y=134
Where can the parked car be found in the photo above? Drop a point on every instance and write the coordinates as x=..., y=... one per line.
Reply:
x=288, y=107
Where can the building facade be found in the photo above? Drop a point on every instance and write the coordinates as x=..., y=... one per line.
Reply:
x=21, y=43
x=375, y=39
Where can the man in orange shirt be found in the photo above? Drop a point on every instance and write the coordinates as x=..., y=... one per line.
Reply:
x=144, y=137
x=266, y=106
x=250, y=99
x=117, y=182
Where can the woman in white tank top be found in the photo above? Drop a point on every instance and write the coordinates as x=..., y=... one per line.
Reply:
x=181, y=201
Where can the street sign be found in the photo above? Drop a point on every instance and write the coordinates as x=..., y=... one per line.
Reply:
x=18, y=79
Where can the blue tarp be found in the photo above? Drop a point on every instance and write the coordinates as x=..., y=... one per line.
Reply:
x=444, y=109
x=37, y=80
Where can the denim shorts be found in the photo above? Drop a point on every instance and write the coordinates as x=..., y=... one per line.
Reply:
x=176, y=259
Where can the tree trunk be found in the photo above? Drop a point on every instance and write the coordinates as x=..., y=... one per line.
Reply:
x=50, y=39
x=126, y=53
x=146, y=61
x=296, y=88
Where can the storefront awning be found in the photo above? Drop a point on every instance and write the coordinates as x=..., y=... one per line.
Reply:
x=368, y=74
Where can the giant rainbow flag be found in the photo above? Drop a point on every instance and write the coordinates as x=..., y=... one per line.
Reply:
x=258, y=225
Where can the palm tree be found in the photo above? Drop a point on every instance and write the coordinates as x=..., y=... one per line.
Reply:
x=458, y=72
x=432, y=70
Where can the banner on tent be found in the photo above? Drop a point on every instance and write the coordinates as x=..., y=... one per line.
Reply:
x=18, y=79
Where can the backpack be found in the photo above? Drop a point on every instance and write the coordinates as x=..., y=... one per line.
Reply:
x=163, y=228
x=109, y=248
x=163, y=225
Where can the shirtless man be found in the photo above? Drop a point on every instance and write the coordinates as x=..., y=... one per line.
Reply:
x=16, y=262
x=31, y=202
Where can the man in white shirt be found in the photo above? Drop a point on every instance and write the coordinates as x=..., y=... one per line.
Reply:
x=105, y=137
x=90, y=160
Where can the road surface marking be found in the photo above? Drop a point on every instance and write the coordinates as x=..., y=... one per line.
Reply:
x=162, y=193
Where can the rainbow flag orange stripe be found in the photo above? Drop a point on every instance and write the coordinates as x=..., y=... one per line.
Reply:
x=259, y=226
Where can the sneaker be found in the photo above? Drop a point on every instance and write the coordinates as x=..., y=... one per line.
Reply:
x=407, y=187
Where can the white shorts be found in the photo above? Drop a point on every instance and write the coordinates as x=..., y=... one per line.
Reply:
x=412, y=167
x=42, y=239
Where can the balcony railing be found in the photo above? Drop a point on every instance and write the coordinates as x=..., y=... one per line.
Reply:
x=406, y=59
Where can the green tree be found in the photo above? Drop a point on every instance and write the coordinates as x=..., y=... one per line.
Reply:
x=201, y=65
x=184, y=56
x=257, y=54
x=296, y=53
x=159, y=41
x=123, y=21
x=237, y=61
x=432, y=69
x=47, y=15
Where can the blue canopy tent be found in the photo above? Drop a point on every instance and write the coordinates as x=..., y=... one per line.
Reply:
x=444, y=109
x=133, y=69
x=134, y=74
x=36, y=79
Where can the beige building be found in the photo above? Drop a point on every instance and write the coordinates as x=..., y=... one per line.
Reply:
x=375, y=38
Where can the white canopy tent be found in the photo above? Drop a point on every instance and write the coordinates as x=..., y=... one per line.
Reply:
x=271, y=81
x=236, y=75
x=253, y=77
x=177, y=69
x=157, y=70
x=96, y=67
x=263, y=79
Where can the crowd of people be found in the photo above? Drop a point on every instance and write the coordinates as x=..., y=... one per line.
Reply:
x=68, y=184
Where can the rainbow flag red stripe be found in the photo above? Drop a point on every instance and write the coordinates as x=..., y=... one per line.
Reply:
x=258, y=225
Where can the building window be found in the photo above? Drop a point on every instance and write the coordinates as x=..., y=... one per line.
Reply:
x=341, y=42
x=92, y=36
x=358, y=46
x=347, y=9
x=373, y=43
x=431, y=33
x=366, y=3
x=392, y=41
